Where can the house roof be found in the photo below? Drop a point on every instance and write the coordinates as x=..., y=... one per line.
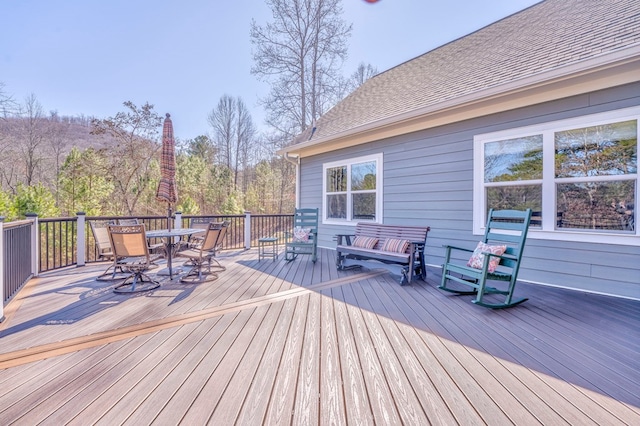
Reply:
x=543, y=43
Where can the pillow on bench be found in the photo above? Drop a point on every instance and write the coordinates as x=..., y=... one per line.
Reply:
x=364, y=242
x=395, y=245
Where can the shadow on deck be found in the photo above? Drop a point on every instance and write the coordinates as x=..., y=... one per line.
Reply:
x=272, y=342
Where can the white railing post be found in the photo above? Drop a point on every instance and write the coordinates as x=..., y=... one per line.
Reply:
x=80, y=235
x=35, y=243
x=177, y=224
x=247, y=230
x=1, y=268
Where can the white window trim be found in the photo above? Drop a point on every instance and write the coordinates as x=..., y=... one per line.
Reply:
x=547, y=232
x=348, y=162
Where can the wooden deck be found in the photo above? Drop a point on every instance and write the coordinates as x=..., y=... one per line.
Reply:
x=296, y=343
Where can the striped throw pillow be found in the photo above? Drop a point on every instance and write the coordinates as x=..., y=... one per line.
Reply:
x=364, y=242
x=395, y=245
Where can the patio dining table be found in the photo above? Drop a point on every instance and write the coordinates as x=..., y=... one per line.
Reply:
x=169, y=236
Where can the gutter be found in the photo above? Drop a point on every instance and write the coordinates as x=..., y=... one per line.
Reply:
x=295, y=160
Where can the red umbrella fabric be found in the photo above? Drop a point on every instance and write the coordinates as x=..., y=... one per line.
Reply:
x=167, y=187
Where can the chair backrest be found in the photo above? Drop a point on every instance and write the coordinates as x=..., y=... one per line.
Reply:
x=306, y=218
x=132, y=221
x=201, y=222
x=211, y=237
x=224, y=226
x=508, y=227
x=128, y=241
x=101, y=238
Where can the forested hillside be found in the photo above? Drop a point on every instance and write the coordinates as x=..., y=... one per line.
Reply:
x=56, y=166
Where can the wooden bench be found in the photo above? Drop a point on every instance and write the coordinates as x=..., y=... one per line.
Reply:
x=407, y=263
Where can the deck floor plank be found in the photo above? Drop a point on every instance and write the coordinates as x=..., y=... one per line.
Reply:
x=256, y=402
x=232, y=398
x=306, y=409
x=275, y=342
x=332, y=404
x=282, y=397
x=510, y=343
x=355, y=389
x=382, y=403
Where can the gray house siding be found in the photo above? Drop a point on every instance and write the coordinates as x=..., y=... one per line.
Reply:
x=428, y=180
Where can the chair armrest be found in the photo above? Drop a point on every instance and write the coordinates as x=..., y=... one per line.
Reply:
x=448, y=247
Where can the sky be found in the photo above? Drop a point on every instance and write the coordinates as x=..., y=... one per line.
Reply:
x=87, y=57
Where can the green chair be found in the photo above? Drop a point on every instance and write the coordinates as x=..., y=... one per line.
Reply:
x=304, y=239
x=497, y=260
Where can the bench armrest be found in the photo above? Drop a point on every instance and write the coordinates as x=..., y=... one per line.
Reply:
x=347, y=237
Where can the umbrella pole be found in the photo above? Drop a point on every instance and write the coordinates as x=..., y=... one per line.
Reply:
x=170, y=245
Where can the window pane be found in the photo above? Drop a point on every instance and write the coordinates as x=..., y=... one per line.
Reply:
x=520, y=197
x=513, y=159
x=364, y=206
x=597, y=205
x=605, y=150
x=337, y=179
x=363, y=176
x=337, y=206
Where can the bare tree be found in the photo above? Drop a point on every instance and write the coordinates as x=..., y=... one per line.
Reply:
x=135, y=133
x=57, y=141
x=31, y=132
x=300, y=52
x=363, y=73
x=233, y=135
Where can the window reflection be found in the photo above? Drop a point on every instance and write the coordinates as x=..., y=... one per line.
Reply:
x=337, y=179
x=605, y=150
x=513, y=159
x=597, y=205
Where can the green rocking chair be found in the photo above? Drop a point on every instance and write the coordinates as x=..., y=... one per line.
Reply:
x=305, y=235
x=496, y=258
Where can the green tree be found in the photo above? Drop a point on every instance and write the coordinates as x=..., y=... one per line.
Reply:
x=83, y=185
x=7, y=206
x=35, y=199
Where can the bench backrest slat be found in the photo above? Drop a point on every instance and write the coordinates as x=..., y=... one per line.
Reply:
x=382, y=232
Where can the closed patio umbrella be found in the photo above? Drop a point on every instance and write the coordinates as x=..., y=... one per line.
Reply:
x=167, y=186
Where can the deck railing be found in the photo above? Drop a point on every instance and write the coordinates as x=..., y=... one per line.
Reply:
x=35, y=245
x=17, y=257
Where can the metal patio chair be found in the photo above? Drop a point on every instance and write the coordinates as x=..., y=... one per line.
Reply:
x=131, y=255
x=200, y=257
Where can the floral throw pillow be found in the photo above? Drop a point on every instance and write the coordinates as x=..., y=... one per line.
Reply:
x=477, y=258
x=364, y=242
x=301, y=235
x=395, y=245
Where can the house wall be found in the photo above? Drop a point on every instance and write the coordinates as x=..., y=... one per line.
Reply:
x=428, y=180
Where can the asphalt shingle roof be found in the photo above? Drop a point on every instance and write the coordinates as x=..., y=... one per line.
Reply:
x=545, y=36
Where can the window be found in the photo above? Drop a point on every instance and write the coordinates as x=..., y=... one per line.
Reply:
x=579, y=176
x=353, y=190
